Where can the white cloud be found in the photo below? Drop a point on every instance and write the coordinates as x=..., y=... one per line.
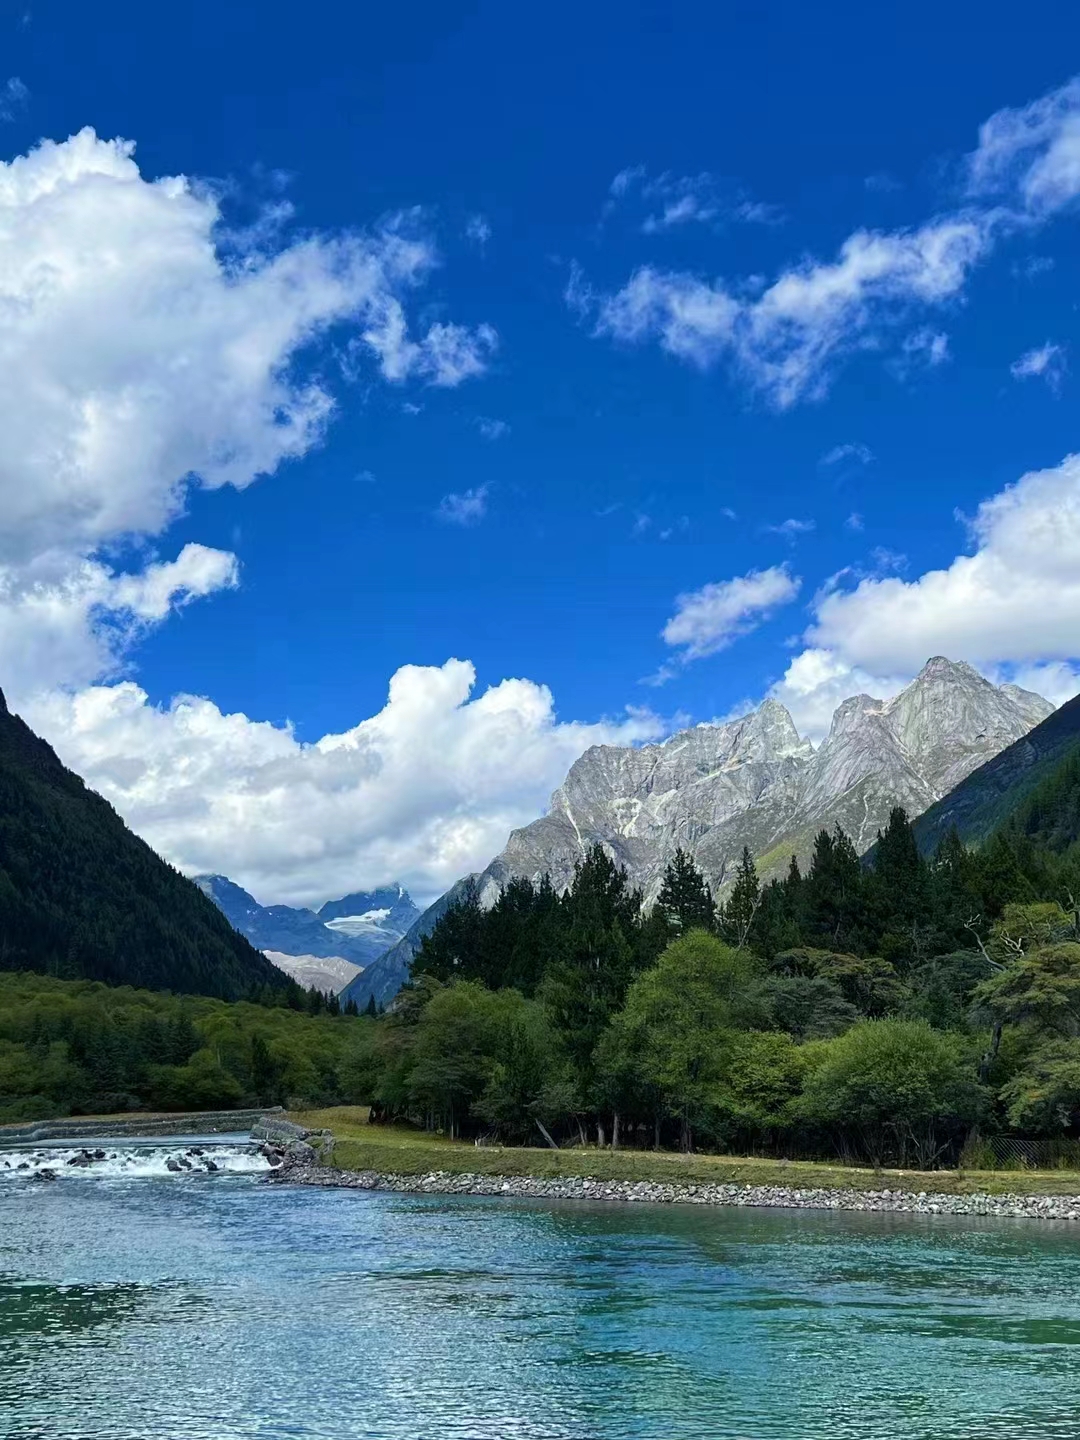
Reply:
x=1030, y=156
x=818, y=680
x=854, y=521
x=673, y=200
x=145, y=349
x=853, y=450
x=13, y=98
x=788, y=338
x=1015, y=599
x=1011, y=607
x=924, y=347
x=478, y=230
x=447, y=355
x=492, y=429
x=1033, y=267
x=161, y=587
x=790, y=528
x=468, y=508
x=66, y=622
x=1046, y=362
x=424, y=791
x=710, y=619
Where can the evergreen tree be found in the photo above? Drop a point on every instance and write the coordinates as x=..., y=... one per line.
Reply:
x=584, y=988
x=835, y=898
x=685, y=900
x=370, y=1009
x=452, y=949
x=742, y=905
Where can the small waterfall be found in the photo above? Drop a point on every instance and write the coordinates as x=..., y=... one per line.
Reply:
x=112, y=1159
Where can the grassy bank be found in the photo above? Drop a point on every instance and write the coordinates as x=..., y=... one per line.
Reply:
x=401, y=1151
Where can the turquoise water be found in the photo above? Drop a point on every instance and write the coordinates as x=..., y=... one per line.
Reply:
x=214, y=1306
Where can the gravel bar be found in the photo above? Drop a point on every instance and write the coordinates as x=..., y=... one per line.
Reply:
x=443, y=1182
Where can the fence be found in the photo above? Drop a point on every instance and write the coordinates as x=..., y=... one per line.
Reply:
x=1008, y=1152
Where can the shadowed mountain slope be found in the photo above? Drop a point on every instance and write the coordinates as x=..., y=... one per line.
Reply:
x=81, y=896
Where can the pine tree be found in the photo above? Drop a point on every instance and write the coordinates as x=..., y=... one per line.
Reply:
x=685, y=900
x=370, y=1008
x=835, y=894
x=899, y=867
x=740, y=911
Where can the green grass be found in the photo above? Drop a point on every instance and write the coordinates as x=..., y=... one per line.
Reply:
x=399, y=1150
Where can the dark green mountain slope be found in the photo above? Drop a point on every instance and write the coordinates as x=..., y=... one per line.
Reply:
x=1049, y=817
x=82, y=897
x=992, y=794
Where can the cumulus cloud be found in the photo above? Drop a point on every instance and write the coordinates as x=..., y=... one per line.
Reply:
x=424, y=791
x=787, y=338
x=468, y=508
x=1046, y=362
x=146, y=348
x=710, y=619
x=492, y=429
x=1016, y=598
x=1011, y=607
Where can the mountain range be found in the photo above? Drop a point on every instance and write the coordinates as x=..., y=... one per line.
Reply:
x=752, y=782
x=352, y=931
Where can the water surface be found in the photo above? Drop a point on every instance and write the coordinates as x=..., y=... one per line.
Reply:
x=214, y=1306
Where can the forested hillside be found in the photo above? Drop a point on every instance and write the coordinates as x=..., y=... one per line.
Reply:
x=883, y=1011
x=78, y=1047
x=81, y=896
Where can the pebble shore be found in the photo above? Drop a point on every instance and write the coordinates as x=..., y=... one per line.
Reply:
x=441, y=1182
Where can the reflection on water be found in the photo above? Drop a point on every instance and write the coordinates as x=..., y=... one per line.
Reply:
x=216, y=1307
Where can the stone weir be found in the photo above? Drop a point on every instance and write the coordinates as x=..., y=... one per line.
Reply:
x=207, y=1122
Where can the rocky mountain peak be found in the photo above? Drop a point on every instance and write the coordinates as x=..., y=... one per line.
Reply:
x=852, y=713
x=940, y=667
x=768, y=733
x=754, y=782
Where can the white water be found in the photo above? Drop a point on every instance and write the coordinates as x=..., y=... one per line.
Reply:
x=132, y=1160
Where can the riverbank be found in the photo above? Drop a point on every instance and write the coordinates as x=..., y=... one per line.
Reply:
x=398, y=1159
x=517, y=1187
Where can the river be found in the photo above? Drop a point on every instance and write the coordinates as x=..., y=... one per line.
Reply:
x=136, y=1302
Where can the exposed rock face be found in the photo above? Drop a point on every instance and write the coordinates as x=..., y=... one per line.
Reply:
x=330, y=974
x=754, y=782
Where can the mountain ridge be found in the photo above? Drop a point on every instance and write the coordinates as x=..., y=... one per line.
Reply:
x=754, y=782
x=358, y=928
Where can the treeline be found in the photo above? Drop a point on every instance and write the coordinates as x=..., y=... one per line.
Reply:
x=79, y=1047
x=879, y=1009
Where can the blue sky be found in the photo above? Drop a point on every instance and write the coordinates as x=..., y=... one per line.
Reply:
x=729, y=305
